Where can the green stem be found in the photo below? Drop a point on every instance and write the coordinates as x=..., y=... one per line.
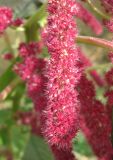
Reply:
x=95, y=41
x=31, y=25
x=99, y=12
x=101, y=66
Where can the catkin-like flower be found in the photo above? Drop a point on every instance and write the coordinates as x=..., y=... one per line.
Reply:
x=30, y=69
x=94, y=121
x=5, y=18
x=63, y=74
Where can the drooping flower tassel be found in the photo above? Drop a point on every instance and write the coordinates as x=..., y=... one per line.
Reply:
x=63, y=74
x=88, y=18
x=94, y=121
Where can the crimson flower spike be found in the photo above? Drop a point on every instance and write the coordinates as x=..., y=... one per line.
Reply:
x=63, y=73
x=94, y=121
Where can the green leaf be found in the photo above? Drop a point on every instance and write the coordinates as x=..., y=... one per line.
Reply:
x=81, y=146
x=7, y=76
x=5, y=116
x=19, y=144
x=37, y=149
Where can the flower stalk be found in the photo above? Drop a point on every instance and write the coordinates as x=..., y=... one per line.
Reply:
x=95, y=41
x=99, y=12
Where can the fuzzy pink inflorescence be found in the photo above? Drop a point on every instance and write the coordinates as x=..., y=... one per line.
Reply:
x=63, y=74
x=88, y=18
x=94, y=121
x=5, y=18
x=31, y=71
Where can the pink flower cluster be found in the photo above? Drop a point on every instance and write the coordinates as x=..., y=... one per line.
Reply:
x=31, y=70
x=6, y=16
x=6, y=19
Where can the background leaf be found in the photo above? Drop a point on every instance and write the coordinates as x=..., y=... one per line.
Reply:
x=37, y=149
x=7, y=77
x=22, y=8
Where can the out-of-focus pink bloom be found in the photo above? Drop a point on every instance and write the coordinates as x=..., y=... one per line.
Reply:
x=8, y=56
x=30, y=118
x=5, y=18
x=27, y=67
x=109, y=24
x=31, y=69
x=17, y=22
x=88, y=18
x=32, y=48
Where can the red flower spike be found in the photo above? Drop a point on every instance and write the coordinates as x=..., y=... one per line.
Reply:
x=5, y=18
x=94, y=121
x=63, y=74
